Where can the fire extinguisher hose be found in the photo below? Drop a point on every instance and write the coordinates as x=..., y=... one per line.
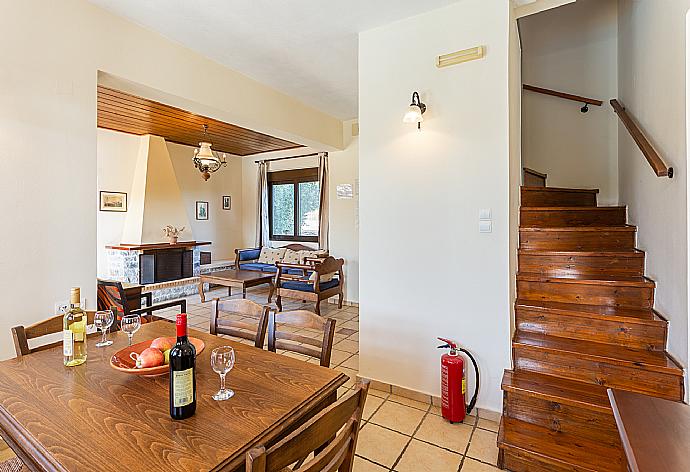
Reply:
x=470, y=406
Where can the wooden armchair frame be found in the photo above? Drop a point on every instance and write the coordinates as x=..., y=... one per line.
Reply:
x=302, y=319
x=320, y=267
x=240, y=329
x=21, y=335
x=331, y=435
x=112, y=293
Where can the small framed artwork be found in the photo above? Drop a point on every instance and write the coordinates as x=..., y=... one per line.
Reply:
x=226, y=202
x=113, y=201
x=202, y=210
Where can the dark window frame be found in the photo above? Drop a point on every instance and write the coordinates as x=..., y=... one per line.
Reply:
x=294, y=177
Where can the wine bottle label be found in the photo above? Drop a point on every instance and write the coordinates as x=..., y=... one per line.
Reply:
x=79, y=333
x=67, y=343
x=183, y=387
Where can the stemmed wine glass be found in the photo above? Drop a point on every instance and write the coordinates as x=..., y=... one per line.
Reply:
x=222, y=361
x=103, y=320
x=130, y=324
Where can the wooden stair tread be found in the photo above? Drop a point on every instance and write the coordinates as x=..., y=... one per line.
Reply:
x=561, y=448
x=556, y=389
x=649, y=360
x=608, y=253
x=633, y=315
x=570, y=208
x=588, y=279
x=560, y=189
x=626, y=228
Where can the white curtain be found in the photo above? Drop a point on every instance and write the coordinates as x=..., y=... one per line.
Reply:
x=262, y=205
x=323, y=201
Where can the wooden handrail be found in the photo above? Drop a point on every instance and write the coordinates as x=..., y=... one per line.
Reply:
x=653, y=157
x=567, y=96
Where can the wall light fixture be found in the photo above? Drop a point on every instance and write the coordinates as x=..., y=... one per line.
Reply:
x=415, y=111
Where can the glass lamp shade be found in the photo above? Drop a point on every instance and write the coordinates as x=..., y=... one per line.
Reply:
x=413, y=115
x=205, y=155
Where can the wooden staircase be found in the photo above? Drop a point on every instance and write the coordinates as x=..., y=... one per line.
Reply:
x=584, y=322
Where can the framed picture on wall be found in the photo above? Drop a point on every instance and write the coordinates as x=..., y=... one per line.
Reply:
x=202, y=210
x=226, y=202
x=113, y=201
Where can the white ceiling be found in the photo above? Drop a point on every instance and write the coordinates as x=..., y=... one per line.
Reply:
x=305, y=48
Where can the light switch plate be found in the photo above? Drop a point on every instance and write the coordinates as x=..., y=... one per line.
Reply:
x=485, y=214
x=485, y=226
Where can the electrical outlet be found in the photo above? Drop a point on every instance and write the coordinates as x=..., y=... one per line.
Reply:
x=61, y=307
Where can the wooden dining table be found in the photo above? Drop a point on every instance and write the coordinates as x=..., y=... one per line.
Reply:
x=92, y=417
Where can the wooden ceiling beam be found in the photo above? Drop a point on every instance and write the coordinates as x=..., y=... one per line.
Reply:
x=124, y=112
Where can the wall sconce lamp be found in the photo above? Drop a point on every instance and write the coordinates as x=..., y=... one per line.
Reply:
x=415, y=111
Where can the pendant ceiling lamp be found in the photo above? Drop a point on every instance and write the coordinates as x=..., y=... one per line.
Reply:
x=207, y=160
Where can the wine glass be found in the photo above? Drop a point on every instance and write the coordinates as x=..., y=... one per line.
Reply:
x=222, y=361
x=130, y=324
x=103, y=320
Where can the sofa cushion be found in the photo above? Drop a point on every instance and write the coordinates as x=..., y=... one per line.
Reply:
x=312, y=254
x=324, y=277
x=271, y=256
x=292, y=257
x=306, y=286
x=254, y=266
x=249, y=254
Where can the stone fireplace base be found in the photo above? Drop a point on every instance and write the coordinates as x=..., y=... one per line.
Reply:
x=124, y=265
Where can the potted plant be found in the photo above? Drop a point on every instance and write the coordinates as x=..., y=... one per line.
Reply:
x=172, y=233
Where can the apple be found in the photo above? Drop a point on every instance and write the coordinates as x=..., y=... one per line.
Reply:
x=162, y=344
x=166, y=356
x=150, y=357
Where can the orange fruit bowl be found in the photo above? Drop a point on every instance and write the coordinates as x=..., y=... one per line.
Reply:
x=124, y=361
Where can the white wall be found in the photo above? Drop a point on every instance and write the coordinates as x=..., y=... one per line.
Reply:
x=652, y=86
x=116, y=156
x=344, y=231
x=343, y=213
x=425, y=270
x=572, y=49
x=48, y=80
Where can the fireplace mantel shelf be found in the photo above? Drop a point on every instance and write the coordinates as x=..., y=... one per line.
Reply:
x=158, y=246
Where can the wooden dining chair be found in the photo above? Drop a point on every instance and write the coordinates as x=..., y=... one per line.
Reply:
x=240, y=328
x=331, y=435
x=295, y=342
x=21, y=335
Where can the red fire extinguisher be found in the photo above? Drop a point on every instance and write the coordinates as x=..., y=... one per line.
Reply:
x=454, y=383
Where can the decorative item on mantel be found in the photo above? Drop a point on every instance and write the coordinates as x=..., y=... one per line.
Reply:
x=206, y=160
x=172, y=233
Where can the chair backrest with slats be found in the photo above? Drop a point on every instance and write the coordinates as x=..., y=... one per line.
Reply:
x=300, y=341
x=251, y=327
x=317, y=435
x=21, y=335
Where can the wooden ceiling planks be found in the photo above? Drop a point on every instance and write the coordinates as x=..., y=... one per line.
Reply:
x=121, y=111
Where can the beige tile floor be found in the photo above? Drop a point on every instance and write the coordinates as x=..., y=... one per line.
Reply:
x=398, y=434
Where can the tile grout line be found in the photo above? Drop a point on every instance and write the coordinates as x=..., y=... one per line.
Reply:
x=469, y=441
x=410, y=440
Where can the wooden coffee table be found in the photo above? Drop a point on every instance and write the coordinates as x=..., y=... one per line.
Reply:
x=239, y=279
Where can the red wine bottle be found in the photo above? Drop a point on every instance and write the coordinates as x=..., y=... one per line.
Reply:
x=182, y=369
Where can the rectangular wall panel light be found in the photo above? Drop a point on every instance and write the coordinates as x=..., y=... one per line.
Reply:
x=459, y=57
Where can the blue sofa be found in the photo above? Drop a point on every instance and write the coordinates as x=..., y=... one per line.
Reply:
x=248, y=259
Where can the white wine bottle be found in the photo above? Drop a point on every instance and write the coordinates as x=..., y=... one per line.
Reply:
x=74, y=331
